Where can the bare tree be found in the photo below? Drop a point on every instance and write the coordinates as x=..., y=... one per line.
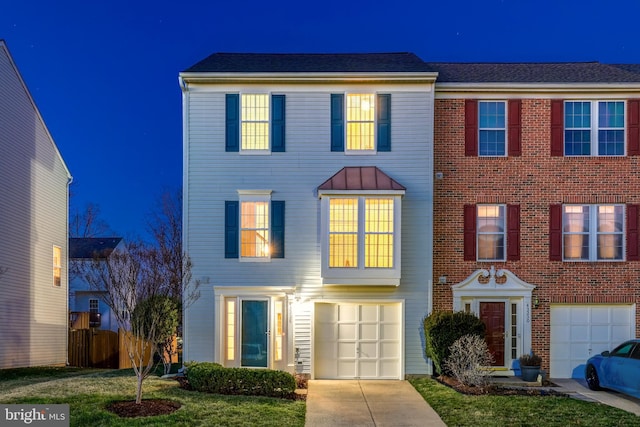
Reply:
x=143, y=272
x=87, y=222
x=128, y=279
x=164, y=224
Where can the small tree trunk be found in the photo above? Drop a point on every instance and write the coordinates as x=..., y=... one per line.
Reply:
x=139, y=388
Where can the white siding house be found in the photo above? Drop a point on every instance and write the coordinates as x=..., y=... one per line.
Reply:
x=308, y=212
x=33, y=230
x=83, y=298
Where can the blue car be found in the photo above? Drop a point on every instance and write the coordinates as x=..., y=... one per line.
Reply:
x=617, y=370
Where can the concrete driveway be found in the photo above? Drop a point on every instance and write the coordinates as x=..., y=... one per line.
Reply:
x=578, y=389
x=358, y=403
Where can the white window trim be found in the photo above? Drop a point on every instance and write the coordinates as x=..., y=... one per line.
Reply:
x=593, y=234
x=505, y=129
x=504, y=234
x=222, y=294
x=374, y=150
x=255, y=152
x=374, y=276
x=252, y=196
x=595, y=105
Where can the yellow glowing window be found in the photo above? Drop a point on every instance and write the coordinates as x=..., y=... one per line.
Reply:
x=255, y=121
x=593, y=232
x=279, y=336
x=57, y=266
x=491, y=232
x=231, y=330
x=378, y=244
x=343, y=233
x=254, y=233
x=360, y=121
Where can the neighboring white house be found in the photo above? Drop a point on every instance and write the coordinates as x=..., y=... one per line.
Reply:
x=33, y=226
x=82, y=297
x=308, y=193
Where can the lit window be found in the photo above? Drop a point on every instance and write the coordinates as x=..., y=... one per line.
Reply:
x=343, y=233
x=360, y=121
x=491, y=232
x=279, y=335
x=346, y=236
x=231, y=329
x=57, y=266
x=594, y=128
x=593, y=232
x=254, y=229
x=255, y=121
x=378, y=249
x=492, y=128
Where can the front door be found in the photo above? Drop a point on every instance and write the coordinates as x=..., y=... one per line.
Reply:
x=492, y=314
x=255, y=333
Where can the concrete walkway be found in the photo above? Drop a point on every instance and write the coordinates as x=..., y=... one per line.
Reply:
x=357, y=403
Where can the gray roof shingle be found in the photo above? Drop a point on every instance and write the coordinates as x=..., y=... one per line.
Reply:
x=310, y=62
x=89, y=247
x=535, y=72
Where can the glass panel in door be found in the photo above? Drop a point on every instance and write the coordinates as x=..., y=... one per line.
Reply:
x=255, y=332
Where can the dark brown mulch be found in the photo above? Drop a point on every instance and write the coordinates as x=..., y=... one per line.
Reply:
x=147, y=408
x=496, y=390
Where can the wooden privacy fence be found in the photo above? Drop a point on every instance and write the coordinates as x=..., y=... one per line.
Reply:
x=91, y=348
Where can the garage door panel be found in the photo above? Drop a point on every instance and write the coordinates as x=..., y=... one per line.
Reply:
x=347, y=313
x=369, y=350
x=581, y=331
x=369, y=312
x=600, y=315
x=389, y=349
x=364, y=341
x=621, y=316
x=346, y=368
x=347, y=331
x=369, y=331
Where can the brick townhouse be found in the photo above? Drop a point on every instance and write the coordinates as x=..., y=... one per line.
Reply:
x=536, y=206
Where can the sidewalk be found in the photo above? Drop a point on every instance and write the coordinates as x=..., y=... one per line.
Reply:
x=367, y=403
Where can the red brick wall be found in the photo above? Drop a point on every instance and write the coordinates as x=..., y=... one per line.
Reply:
x=534, y=181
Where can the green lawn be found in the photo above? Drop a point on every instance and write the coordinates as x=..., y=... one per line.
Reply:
x=89, y=391
x=457, y=409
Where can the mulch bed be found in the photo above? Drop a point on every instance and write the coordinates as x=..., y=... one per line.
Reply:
x=496, y=390
x=147, y=408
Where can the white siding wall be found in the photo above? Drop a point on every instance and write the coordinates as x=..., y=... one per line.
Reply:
x=213, y=176
x=33, y=196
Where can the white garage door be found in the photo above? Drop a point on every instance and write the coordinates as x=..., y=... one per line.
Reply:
x=358, y=341
x=581, y=331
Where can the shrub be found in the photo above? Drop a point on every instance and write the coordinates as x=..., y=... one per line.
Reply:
x=214, y=378
x=530, y=360
x=468, y=361
x=442, y=329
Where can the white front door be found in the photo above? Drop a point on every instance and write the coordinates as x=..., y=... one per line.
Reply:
x=581, y=331
x=358, y=340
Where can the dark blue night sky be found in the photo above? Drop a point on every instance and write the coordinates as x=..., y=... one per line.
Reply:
x=104, y=73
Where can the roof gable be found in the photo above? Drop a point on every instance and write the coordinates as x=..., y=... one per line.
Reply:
x=359, y=178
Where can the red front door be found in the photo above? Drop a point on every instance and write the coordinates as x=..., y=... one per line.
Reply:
x=492, y=314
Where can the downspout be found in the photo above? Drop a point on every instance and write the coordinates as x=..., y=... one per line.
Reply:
x=66, y=234
x=184, y=87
